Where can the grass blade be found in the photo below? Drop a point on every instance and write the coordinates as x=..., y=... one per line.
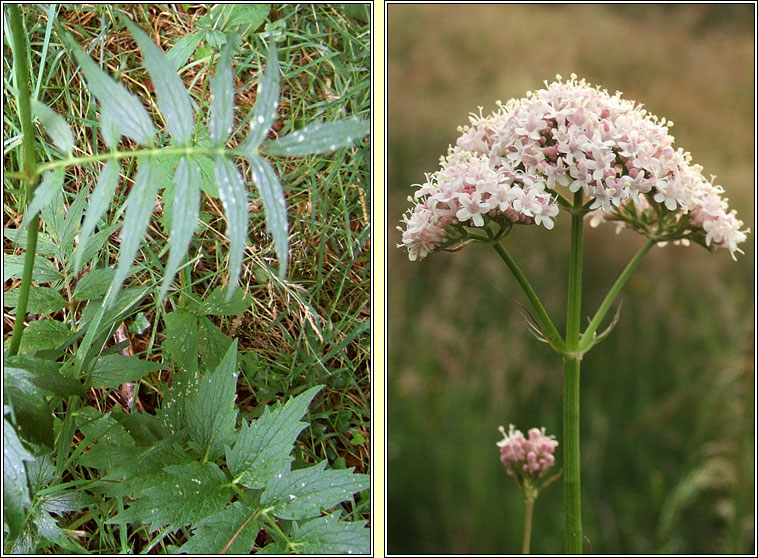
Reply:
x=272, y=195
x=184, y=216
x=320, y=138
x=43, y=194
x=55, y=125
x=233, y=195
x=266, y=103
x=173, y=99
x=138, y=212
x=125, y=109
x=98, y=205
x=222, y=99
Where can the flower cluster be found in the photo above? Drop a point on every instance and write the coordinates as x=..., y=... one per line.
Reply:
x=526, y=459
x=506, y=168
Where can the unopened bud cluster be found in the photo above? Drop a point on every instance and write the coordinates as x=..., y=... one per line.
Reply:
x=527, y=459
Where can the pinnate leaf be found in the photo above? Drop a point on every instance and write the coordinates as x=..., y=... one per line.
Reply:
x=320, y=138
x=124, y=109
x=211, y=413
x=98, y=205
x=263, y=447
x=173, y=99
x=222, y=99
x=272, y=196
x=42, y=300
x=186, y=209
x=234, y=199
x=94, y=284
x=329, y=535
x=139, y=209
x=55, y=125
x=44, y=271
x=266, y=103
x=305, y=493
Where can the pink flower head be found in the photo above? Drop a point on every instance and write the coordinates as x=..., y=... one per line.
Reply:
x=527, y=459
x=512, y=165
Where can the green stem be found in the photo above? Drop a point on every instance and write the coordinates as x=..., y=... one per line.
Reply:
x=27, y=128
x=587, y=337
x=571, y=453
x=531, y=295
x=150, y=151
x=527, y=525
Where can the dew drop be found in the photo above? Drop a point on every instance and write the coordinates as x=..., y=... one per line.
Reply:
x=261, y=120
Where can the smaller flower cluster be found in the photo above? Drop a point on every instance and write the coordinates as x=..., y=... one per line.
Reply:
x=526, y=459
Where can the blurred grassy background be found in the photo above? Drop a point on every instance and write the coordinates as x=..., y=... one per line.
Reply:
x=668, y=399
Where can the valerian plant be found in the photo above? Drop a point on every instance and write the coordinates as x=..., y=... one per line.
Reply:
x=196, y=469
x=571, y=148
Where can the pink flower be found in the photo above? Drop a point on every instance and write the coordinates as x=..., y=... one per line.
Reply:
x=527, y=459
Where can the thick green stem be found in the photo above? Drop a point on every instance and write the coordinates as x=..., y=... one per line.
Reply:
x=587, y=337
x=547, y=323
x=527, y=526
x=571, y=455
x=27, y=127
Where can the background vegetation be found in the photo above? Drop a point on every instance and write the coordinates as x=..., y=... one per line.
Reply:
x=313, y=328
x=668, y=399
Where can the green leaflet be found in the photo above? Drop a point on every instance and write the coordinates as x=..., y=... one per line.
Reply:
x=15, y=490
x=42, y=300
x=124, y=109
x=98, y=205
x=139, y=209
x=55, y=125
x=180, y=53
x=234, y=199
x=263, y=447
x=111, y=371
x=44, y=194
x=173, y=99
x=266, y=103
x=44, y=374
x=320, y=138
x=44, y=334
x=304, y=493
x=329, y=535
x=210, y=410
x=186, y=209
x=183, y=494
x=272, y=195
x=94, y=284
x=232, y=529
x=44, y=270
x=222, y=99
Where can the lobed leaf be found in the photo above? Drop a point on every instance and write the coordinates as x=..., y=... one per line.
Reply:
x=263, y=447
x=266, y=102
x=234, y=199
x=98, y=205
x=210, y=411
x=329, y=535
x=173, y=98
x=320, y=138
x=272, y=196
x=55, y=125
x=139, y=209
x=305, y=493
x=186, y=208
x=222, y=99
x=44, y=193
x=123, y=109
